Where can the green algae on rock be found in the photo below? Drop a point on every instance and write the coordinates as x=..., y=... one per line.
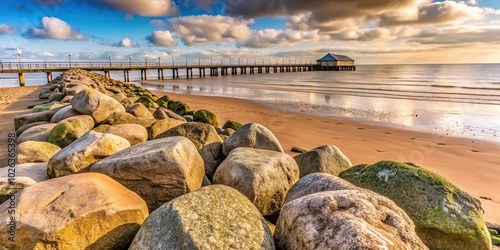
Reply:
x=232, y=124
x=147, y=101
x=206, y=116
x=178, y=107
x=445, y=216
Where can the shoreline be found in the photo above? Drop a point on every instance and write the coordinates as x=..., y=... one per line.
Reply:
x=468, y=164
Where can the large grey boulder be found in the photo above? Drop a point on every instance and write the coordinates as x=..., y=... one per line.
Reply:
x=445, y=216
x=35, y=151
x=43, y=116
x=84, y=152
x=252, y=135
x=20, y=130
x=64, y=113
x=74, y=88
x=37, y=133
x=134, y=133
x=70, y=129
x=315, y=183
x=214, y=217
x=126, y=118
x=325, y=159
x=263, y=176
x=83, y=211
x=170, y=114
x=96, y=104
x=139, y=110
x=15, y=179
x=162, y=126
x=206, y=140
x=158, y=170
x=346, y=219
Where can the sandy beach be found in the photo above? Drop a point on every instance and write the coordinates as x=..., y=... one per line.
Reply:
x=470, y=164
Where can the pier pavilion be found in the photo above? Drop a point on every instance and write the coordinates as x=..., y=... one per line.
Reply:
x=336, y=63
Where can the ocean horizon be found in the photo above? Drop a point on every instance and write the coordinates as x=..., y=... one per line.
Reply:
x=460, y=100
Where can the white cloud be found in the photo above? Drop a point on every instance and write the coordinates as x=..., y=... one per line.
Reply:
x=6, y=29
x=143, y=7
x=273, y=37
x=54, y=28
x=48, y=54
x=204, y=29
x=162, y=38
x=125, y=43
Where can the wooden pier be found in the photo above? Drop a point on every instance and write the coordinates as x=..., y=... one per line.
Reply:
x=202, y=70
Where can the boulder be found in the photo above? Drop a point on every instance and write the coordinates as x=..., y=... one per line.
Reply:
x=129, y=101
x=325, y=159
x=214, y=217
x=56, y=96
x=96, y=104
x=74, y=88
x=346, y=219
x=84, y=152
x=227, y=132
x=126, y=118
x=252, y=135
x=158, y=170
x=206, y=140
x=45, y=94
x=315, y=183
x=299, y=149
x=178, y=107
x=84, y=211
x=445, y=216
x=119, y=97
x=27, y=126
x=139, y=110
x=159, y=114
x=263, y=176
x=232, y=125
x=35, y=151
x=37, y=133
x=133, y=133
x=206, y=116
x=43, y=116
x=162, y=126
x=172, y=114
x=64, y=113
x=46, y=106
x=70, y=129
x=147, y=101
x=25, y=175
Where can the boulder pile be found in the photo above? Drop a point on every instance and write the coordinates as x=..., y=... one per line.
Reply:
x=104, y=164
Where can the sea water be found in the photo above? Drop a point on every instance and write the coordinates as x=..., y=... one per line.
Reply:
x=455, y=100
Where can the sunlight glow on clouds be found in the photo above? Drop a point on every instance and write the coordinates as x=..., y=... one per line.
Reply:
x=162, y=38
x=143, y=7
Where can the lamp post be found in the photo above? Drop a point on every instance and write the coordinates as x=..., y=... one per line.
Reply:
x=130, y=62
x=19, y=52
x=145, y=58
x=90, y=60
x=69, y=56
x=159, y=61
x=109, y=61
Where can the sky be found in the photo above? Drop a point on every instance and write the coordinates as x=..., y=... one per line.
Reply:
x=369, y=31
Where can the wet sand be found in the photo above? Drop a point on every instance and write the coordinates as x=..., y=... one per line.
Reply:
x=470, y=164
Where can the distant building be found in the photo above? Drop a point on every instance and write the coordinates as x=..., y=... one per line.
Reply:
x=336, y=62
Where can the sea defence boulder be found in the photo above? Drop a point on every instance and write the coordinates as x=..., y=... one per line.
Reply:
x=43, y=116
x=263, y=176
x=445, y=216
x=206, y=116
x=96, y=104
x=315, y=183
x=37, y=133
x=35, y=151
x=84, y=152
x=158, y=170
x=346, y=219
x=252, y=135
x=133, y=133
x=162, y=126
x=214, y=217
x=70, y=129
x=83, y=211
x=139, y=110
x=64, y=113
x=25, y=175
x=325, y=159
x=206, y=140
x=126, y=118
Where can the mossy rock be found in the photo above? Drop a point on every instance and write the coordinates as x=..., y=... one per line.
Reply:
x=190, y=112
x=178, y=107
x=495, y=240
x=162, y=103
x=43, y=107
x=232, y=124
x=147, y=101
x=299, y=150
x=493, y=232
x=445, y=216
x=68, y=130
x=207, y=117
x=3, y=198
x=164, y=98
